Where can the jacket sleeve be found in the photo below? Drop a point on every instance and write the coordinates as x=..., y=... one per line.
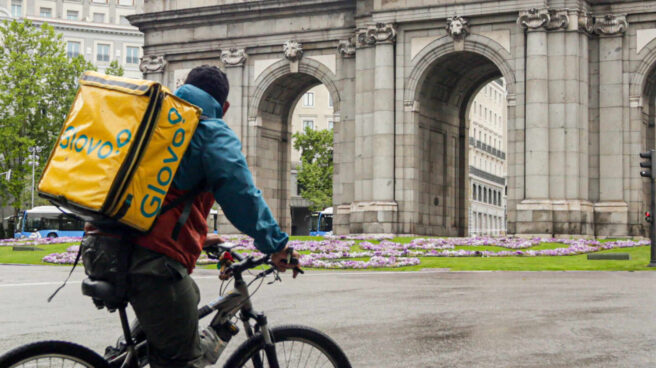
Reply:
x=231, y=182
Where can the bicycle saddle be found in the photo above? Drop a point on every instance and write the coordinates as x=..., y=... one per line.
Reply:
x=103, y=293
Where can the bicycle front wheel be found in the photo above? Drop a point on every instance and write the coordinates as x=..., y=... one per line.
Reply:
x=52, y=354
x=296, y=346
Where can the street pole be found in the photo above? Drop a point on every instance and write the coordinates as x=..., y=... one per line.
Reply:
x=33, y=170
x=650, y=164
x=652, y=208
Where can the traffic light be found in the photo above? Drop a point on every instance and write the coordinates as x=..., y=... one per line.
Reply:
x=647, y=165
x=648, y=217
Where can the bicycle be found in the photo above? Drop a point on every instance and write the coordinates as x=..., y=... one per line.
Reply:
x=265, y=347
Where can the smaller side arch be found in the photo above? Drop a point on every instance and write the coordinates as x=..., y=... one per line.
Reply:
x=281, y=68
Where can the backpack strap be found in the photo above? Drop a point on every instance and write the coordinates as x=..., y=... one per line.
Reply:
x=188, y=199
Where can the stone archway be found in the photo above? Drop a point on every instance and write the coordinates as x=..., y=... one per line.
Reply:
x=276, y=92
x=440, y=91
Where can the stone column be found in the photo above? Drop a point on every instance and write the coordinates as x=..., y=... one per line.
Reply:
x=345, y=138
x=383, y=125
x=611, y=212
x=534, y=211
x=153, y=67
x=234, y=60
x=373, y=209
x=537, y=104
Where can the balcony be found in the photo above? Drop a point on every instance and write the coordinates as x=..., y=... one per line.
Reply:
x=486, y=175
x=487, y=148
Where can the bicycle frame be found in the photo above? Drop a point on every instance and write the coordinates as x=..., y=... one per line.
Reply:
x=226, y=307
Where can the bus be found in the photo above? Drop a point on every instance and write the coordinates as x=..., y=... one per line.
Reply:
x=47, y=222
x=322, y=223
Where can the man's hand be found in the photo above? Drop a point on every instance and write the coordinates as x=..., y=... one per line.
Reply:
x=213, y=239
x=280, y=260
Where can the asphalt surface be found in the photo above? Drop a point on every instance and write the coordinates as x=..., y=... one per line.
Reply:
x=422, y=319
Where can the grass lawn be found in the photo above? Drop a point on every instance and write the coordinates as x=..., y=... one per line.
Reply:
x=638, y=262
x=8, y=255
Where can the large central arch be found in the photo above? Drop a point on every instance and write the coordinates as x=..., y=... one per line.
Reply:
x=442, y=84
x=276, y=92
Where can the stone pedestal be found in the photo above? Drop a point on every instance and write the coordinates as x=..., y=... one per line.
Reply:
x=555, y=218
x=373, y=217
x=611, y=219
x=342, y=219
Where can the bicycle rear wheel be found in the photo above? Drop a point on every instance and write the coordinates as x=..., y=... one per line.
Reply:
x=52, y=354
x=296, y=346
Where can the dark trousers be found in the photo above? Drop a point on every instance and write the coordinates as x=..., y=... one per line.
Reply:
x=162, y=294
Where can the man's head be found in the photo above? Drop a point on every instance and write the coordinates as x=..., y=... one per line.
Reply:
x=211, y=80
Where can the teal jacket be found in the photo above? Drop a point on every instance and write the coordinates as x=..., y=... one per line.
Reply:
x=215, y=156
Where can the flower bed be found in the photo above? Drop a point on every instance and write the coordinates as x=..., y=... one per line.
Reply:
x=333, y=253
x=37, y=241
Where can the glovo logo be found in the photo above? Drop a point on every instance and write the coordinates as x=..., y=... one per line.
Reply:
x=152, y=201
x=91, y=146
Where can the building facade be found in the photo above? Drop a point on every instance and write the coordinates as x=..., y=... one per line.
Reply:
x=97, y=29
x=487, y=160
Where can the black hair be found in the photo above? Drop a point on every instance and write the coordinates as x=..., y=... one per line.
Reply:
x=211, y=80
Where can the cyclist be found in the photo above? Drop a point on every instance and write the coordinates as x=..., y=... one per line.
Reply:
x=160, y=290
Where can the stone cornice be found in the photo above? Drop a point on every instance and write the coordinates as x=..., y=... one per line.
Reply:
x=61, y=25
x=238, y=12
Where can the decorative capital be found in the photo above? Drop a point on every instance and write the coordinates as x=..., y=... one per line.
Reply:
x=152, y=64
x=533, y=18
x=293, y=50
x=610, y=24
x=233, y=57
x=558, y=19
x=457, y=27
x=586, y=22
x=346, y=48
x=379, y=33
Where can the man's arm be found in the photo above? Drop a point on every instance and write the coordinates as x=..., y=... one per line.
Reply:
x=231, y=182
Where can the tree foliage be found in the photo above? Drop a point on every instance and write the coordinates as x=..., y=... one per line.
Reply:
x=37, y=86
x=115, y=69
x=315, y=175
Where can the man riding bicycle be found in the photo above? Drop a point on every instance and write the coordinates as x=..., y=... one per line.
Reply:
x=159, y=288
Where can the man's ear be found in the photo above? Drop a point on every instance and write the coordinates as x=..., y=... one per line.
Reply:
x=226, y=106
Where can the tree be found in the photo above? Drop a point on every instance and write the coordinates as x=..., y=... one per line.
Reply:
x=315, y=176
x=37, y=87
x=114, y=69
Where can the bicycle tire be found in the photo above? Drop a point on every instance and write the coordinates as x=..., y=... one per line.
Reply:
x=289, y=333
x=59, y=351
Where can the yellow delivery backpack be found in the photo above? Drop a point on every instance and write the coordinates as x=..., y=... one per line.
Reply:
x=118, y=150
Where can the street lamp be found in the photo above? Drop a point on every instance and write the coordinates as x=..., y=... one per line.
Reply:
x=34, y=160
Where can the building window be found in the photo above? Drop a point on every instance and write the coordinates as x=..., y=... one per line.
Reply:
x=132, y=55
x=330, y=100
x=16, y=8
x=45, y=12
x=331, y=124
x=308, y=124
x=474, y=192
x=102, y=53
x=308, y=99
x=72, y=49
x=126, y=2
x=99, y=1
x=72, y=15
x=124, y=20
x=99, y=17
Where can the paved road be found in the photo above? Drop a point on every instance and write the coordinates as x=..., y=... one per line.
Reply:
x=423, y=319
